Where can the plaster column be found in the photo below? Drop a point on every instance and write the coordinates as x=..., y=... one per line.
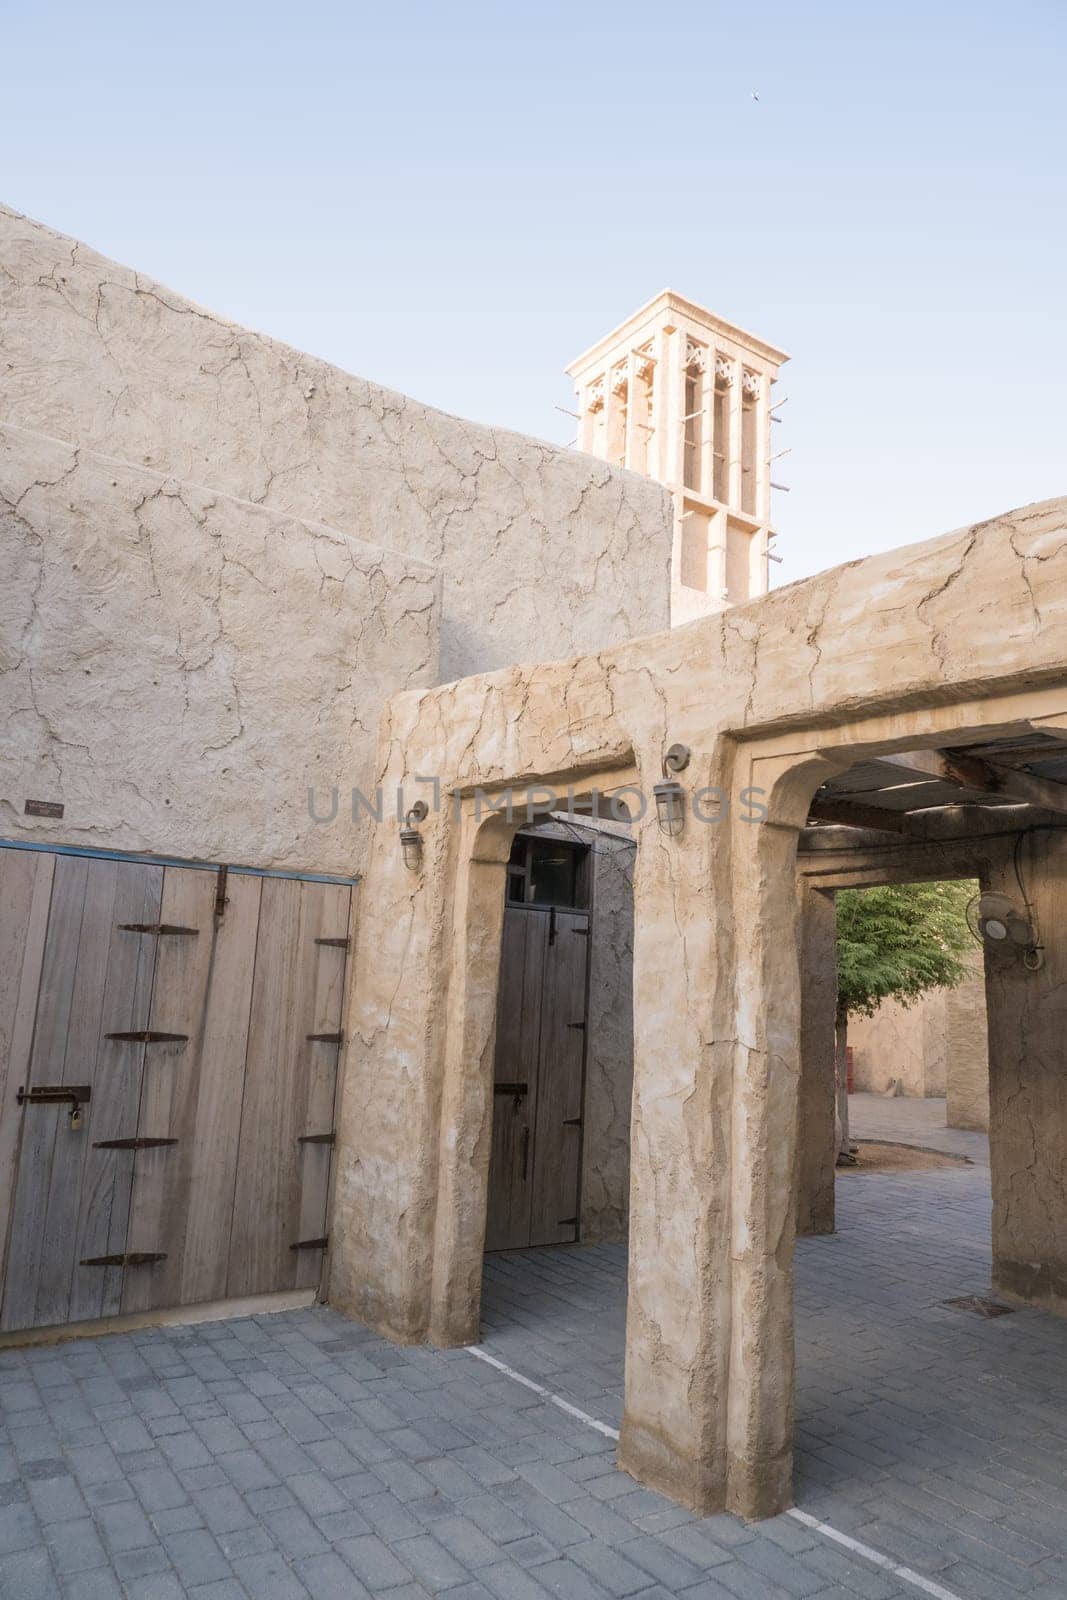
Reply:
x=817, y=1152
x=673, y=1435
x=385, y=1158
x=1027, y=1014
x=709, y=1354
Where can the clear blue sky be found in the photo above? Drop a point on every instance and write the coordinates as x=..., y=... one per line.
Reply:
x=456, y=199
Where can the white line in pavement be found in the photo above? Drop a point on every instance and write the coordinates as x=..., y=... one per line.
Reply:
x=905, y=1574
x=546, y=1394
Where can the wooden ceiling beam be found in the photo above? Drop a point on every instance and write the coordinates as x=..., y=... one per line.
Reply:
x=985, y=777
x=853, y=814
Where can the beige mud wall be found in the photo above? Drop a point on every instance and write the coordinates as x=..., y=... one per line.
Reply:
x=178, y=667
x=967, y=1052
x=900, y=1048
x=543, y=552
x=934, y=1048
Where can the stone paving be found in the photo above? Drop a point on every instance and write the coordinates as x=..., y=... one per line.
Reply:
x=298, y=1455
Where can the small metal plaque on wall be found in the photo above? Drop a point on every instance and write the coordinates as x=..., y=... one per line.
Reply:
x=43, y=808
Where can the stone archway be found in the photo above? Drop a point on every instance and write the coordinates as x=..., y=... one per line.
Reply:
x=772, y=696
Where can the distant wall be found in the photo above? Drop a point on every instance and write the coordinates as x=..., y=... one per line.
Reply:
x=967, y=1052
x=900, y=1047
x=177, y=667
x=934, y=1048
x=544, y=553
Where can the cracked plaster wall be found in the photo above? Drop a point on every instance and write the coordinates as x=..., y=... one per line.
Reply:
x=178, y=666
x=543, y=552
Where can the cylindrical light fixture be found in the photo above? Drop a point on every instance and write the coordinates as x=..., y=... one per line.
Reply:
x=669, y=795
x=411, y=838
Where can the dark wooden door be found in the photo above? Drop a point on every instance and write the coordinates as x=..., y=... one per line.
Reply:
x=537, y=1098
x=558, y=1112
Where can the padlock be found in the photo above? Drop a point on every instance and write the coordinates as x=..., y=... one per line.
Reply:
x=75, y=1117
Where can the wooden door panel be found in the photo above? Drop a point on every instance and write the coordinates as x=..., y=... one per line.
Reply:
x=72, y=1200
x=515, y=1072
x=290, y=1084
x=327, y=910
x=183, y=1193
x=25, y=895
x=557, y=1119
x=100, y=1215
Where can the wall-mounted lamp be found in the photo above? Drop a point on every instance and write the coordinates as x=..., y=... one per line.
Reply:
x=669, y=795
x=411, y=838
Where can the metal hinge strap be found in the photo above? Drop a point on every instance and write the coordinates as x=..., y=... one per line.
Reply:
x=316, y=1138
x=310, y=1244
x=132, y=1258
x=131, y=1144
x=159, y=928
x=327, y=1038
x=344, y=943
x=148, y=1036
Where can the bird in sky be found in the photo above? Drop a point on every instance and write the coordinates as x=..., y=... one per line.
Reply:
x=755, y=96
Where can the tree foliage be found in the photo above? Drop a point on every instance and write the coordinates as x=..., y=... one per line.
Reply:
x=898, y=942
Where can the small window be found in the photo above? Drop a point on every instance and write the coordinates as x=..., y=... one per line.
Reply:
x=547, y=872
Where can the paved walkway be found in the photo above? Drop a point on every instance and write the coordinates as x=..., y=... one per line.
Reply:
x=297, y=1455
x=908, y=1121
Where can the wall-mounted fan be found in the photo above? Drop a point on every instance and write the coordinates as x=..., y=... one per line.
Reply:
x=997, y=920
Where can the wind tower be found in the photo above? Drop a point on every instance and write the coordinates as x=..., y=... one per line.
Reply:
x=681, y=395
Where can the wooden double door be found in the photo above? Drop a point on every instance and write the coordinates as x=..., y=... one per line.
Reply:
x=535, y=1163
x=169, y=1041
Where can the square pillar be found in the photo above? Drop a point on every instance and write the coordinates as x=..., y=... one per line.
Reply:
x=1027, y=1023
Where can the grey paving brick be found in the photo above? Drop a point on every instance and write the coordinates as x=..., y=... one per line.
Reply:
x=28, y=1575
x=327, y=1577
x=430, y=1563
x=159, y=1490
x=611, y=1569
x=316, y=1493
x=74, y=1547
x=373, y=1562
x=509, y=1582
x=98, y=1584
x=295, y=1533
x=57, y=1499
x=196, y=1556
x=466, y=1541
x=140, y=1563
x=270, y=1576
x=158, y=1586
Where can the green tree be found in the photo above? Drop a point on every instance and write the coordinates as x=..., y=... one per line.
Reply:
x=896, y=942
